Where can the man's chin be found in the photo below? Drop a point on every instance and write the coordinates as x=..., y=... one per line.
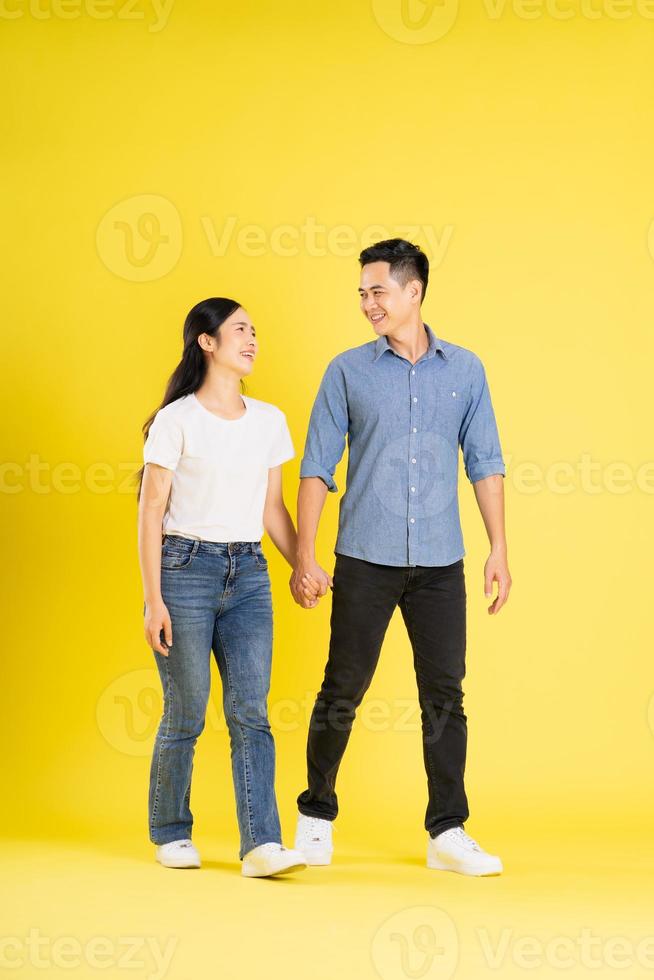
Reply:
x=381, y=328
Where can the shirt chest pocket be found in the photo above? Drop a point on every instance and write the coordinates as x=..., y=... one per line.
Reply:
x=450, y=404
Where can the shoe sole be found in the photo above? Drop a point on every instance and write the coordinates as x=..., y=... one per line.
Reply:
x=177, y=867
x=316, y=858
x=278, y=871
x=435, y=865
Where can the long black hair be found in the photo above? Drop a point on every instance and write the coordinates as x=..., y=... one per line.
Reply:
x=205, y=317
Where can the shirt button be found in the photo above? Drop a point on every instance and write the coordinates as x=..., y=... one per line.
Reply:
x=415, y=430
x=413, y=489
x=415, y=399
x=413, y=520
x=413, y=372
x=413, y=460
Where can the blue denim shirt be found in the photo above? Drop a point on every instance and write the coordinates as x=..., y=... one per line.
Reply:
x=404, y=424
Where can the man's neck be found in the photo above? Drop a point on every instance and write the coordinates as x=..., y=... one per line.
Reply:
x=410, y=340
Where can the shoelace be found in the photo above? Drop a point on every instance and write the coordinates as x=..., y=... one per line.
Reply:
x=465, y=838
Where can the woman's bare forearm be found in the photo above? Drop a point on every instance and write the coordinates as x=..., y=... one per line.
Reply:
x=149, y=536
x=281, y=531
x=152, y=505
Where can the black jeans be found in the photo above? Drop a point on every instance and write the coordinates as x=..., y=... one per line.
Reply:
x=433, y=605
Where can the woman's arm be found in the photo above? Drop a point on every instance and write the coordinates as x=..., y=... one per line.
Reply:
x=155, y=491
x=276, y=519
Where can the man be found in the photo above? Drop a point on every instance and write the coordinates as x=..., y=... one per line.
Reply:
x=405, y=402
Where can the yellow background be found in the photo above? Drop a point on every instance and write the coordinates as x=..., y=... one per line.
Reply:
x=518, y=139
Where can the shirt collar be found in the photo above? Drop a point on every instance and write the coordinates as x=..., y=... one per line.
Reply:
x=435, y=344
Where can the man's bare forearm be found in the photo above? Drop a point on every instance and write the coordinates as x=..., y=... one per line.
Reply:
x=310, y=502
x=490, y=498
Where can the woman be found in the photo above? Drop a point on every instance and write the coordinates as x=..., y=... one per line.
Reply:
x=211, y=483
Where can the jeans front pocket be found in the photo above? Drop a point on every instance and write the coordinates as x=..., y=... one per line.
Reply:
x=178, y=552
x=259, y=556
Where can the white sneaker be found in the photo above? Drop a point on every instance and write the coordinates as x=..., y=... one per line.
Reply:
x=271, y=859
x=178, y=854
x=454, y=850
x=313, y=837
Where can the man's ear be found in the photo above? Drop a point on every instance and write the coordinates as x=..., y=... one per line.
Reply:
x=415, y=287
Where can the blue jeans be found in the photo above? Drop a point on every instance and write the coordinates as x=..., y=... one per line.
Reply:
x=218, y=596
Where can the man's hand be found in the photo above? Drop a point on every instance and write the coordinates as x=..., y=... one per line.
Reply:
x=496, y=569
x=309, y=582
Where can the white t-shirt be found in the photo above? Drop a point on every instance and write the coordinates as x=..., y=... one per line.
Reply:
x=220, y=466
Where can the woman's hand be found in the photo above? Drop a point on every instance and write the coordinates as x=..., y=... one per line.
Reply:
x=157, y=618
x=309, y=582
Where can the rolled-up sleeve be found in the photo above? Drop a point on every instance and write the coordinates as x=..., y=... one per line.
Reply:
x=328, y=426
x=479, y=438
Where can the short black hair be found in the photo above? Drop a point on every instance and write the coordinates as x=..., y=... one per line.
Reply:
x=407, y=261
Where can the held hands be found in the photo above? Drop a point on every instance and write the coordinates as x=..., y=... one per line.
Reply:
x=309, y=583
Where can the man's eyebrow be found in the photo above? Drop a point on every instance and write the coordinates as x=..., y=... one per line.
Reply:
x=362, y=290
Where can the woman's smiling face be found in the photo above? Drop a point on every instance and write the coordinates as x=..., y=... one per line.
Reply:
x=237, y=347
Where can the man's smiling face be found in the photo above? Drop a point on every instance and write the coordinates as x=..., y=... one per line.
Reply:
x=385, y=302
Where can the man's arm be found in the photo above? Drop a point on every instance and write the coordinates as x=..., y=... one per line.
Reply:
x=490, y=499
x=309, y=581
x=324, y=447
x=484, y=466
